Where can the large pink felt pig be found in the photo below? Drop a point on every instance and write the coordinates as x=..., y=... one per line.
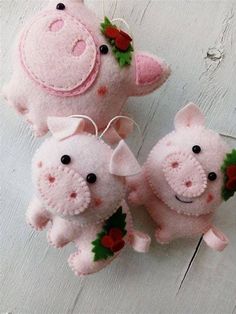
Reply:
x=80, y=188
x=182, y=182
x=65, y=65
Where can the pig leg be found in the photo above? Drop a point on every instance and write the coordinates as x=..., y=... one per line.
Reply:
x=62, y=232
x=215, y=239
x=36, y=216
x=14, y=95
x=82, y=262
x=139, y=191
x=163, y=235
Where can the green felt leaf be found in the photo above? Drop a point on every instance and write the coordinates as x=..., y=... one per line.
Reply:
x=105, y=24
x=124, y=58
x=230, y=160
x=117, y=220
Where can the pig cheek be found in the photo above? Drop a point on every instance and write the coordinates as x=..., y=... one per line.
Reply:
x=210, y=198
x=97, y=201
x=102, y=91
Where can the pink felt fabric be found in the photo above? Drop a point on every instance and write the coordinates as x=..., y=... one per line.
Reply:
x=64, y=190
x=140, y=241
x=189, y=116
x=216, y=239
x=74, y=207
x=70, y=75
x=178, y=171
x=174, y=184
x=62, y=127
x=148, y=70
x=123, y=162
x=55, y=74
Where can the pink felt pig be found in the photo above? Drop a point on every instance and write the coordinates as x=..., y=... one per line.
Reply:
x=182, y=183
x=79, y=191
x=64, y=65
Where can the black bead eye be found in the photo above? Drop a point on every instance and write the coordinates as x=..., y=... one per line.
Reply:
x=61, y=6
x=196, y=149
x=103, y=49
x=65, y=159
x=91, y=178
x=212, y=176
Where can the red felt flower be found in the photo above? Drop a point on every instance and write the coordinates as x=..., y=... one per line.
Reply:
x=231, y=174
x=122, y=39
x=113, y=240
x=111, y=32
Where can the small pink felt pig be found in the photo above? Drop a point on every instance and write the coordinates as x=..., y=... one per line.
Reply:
x=80, y=188
x=182, y=182
x=65, y=65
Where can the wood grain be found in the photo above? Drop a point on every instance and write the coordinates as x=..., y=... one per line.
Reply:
x=198, y=38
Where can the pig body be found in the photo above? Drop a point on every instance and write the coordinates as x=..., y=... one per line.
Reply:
x=79, y=186
x=62, y=231
x=61, y=68
x=181, y=182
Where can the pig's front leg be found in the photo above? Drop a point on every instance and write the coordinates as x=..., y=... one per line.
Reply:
x=139, y=191
x=62, y=232
x=82, y=261
x=36, y=216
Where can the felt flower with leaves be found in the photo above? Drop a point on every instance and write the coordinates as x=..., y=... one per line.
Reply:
x=229, y=170
x=120, y=41
x=111, y=238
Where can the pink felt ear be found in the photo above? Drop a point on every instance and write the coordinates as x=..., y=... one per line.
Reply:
x=150, y=73
x=123, y=163
x=63, y=127
x=189, y=116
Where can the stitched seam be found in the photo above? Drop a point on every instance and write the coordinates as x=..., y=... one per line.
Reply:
x=175, y=186
x=147, y=175
x=53, y=205
x=75, y=90
x=146, y=82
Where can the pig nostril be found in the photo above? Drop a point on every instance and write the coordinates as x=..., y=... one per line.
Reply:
x=188, y=184
x=175, y=165
x=56, y=25
x=51, y=179
x=40, y=164
x=73, y=195
x=78, y=48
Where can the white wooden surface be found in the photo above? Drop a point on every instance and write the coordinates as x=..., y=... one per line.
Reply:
x=198, y=38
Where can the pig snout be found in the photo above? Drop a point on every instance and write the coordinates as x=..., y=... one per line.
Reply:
x=184, y=174
x=59, y=53
x=64, y=190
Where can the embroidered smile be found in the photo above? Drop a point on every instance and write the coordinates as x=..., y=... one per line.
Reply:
x=182, y=201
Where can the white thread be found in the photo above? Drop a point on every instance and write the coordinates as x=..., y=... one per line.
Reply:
x=120, y=19
x=121, y=117
x=88, y=118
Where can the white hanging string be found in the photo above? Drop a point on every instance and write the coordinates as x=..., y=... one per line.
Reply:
x=88, y=118
x=121, y=117
x=118, y=19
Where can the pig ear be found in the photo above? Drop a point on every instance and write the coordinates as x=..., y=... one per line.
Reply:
x=63, y=127
x=189, y=116
x=123, y=163
x=149, y=73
